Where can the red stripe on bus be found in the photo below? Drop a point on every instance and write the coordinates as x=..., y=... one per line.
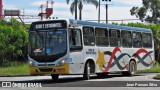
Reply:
x=143, y=51
x=111, y=59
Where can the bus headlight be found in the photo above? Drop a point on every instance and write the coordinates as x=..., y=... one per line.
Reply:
x=61, y=63
x=32, y=63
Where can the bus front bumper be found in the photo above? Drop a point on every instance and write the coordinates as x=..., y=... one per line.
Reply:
x=49, y=70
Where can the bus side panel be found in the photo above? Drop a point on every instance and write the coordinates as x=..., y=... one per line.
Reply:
x=90, y=52
x=76, y=66
x=146, y=59
x=127, y=54
x=116, y=63
x=102, y=59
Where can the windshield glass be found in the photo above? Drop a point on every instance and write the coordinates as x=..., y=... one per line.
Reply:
x=48, y=43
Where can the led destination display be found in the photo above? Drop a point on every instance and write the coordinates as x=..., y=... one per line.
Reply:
x=48, y=25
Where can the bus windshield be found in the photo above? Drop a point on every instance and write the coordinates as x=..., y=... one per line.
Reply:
x=48, y=45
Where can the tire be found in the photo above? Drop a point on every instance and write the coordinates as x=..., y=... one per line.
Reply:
x=54, y=77
x=102, y=75
x=132, y=69
x=86, y=74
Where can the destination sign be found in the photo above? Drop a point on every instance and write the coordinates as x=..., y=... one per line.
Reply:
x=46, y=25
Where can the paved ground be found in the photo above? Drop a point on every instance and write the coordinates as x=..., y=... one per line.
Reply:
x=76, y=82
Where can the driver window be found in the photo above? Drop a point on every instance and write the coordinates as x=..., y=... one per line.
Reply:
x=75, y=41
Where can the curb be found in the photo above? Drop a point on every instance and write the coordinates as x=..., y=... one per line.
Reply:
x=16, y=76
x=156, y=78
x=22, y=75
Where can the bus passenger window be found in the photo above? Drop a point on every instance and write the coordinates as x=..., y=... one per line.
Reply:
x=126, y=38
x=75, y=40
x=101, y=37
x=137, y=39
x=114, y=38
x=88, y=36
x=147, y=40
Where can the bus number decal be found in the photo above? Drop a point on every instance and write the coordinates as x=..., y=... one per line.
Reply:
x=91, y=51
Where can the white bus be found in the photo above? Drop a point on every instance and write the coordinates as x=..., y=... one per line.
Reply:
x=72, y=47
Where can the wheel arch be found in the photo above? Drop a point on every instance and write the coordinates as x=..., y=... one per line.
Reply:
x=91, y=63
x=134, y=60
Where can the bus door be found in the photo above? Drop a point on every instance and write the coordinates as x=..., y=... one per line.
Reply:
x=76, y=51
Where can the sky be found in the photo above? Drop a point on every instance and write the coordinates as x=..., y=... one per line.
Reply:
x=117, y=10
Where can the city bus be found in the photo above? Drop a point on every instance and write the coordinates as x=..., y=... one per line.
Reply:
x=74, y=47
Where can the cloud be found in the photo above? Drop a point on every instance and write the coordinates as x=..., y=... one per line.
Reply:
x=9, y=6
x=119, y=10
x=55, y=5
x=114, y=13
x=130, y=2
x=38, y=3
x=89, y=12
x=31, y=12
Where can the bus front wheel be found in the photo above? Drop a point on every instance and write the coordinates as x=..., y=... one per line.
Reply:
x=54, y=76
x=86, y=74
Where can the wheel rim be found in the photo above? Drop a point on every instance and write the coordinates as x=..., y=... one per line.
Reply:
x=88, y=71
x=132, y=69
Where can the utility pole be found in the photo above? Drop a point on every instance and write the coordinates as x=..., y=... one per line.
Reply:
x=106, y=13
x=80, y=10
x=41, y=11
x=76, y=9
x=99, y=11
x=106, y=9
x=1, y=5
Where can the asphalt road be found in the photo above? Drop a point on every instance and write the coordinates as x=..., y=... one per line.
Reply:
x=76, y=82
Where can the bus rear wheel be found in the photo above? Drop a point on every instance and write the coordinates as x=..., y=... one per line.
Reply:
x=86, y=74
x=54, y=77
x=132, y=69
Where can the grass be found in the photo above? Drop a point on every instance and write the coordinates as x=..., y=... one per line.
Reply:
x=158, y=76
x=154, y=69
x=14, y=69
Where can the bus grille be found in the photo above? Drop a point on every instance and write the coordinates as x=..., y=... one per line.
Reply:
x=46, y=69
x=46, y=64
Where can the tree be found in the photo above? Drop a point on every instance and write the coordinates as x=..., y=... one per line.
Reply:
x=149, y=12
x=13, y=41
x=75, y=3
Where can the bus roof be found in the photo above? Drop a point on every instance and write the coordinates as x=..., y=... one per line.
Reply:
x=87, y=23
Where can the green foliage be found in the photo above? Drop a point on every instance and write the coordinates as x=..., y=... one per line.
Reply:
x=158, y=76
x=27, y=26
x=154, y=69
x=13, y=41
x=149, y=12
